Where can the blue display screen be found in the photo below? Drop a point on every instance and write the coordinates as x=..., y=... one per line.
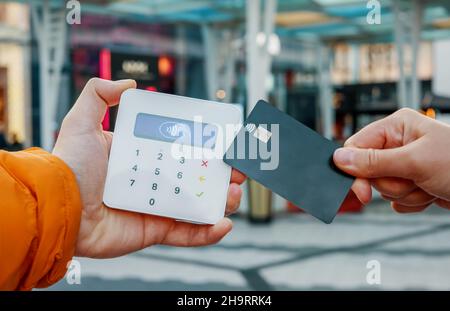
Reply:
x=173, y=130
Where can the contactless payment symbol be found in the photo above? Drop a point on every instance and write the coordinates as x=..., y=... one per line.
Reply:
x=174, y=129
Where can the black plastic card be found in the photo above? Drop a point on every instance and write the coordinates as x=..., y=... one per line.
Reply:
x=290, y=159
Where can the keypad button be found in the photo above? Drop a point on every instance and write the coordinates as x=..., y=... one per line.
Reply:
x=199, y=194
x=167, y=180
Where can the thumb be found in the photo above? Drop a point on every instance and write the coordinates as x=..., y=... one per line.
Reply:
x=373, y=163
x=90, y=108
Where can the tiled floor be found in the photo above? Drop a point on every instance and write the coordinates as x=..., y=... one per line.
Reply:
x=295, y=252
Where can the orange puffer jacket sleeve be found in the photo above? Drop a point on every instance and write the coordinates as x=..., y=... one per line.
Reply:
x=40, y=210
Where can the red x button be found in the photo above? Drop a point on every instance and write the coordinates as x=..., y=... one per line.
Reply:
x=204, y=163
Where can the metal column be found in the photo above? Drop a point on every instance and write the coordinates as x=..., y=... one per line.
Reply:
x=258, y=58
x=180, y=47
x=325, y=91
x=229, y=65
x=220, y=54
x=50, y=25
x=211, y=56
x=408, y=25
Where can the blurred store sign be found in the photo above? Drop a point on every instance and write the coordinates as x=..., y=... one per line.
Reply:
x=152, y=73
x=142, y=68
x=117, y=66
x=15, y=127
x=441, y=73
x=372, y=63
x=14, y=15
x=145, y=69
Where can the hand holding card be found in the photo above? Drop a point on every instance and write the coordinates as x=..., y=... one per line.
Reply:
x=290, y=159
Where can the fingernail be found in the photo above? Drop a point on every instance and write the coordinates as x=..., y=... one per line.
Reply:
x=124, y=81
x=343, y=156
x=235, y=190
x=228, y=222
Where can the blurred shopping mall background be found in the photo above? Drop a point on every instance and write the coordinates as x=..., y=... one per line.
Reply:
x=335, y=65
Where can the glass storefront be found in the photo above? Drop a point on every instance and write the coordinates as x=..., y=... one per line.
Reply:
x=14, y=74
